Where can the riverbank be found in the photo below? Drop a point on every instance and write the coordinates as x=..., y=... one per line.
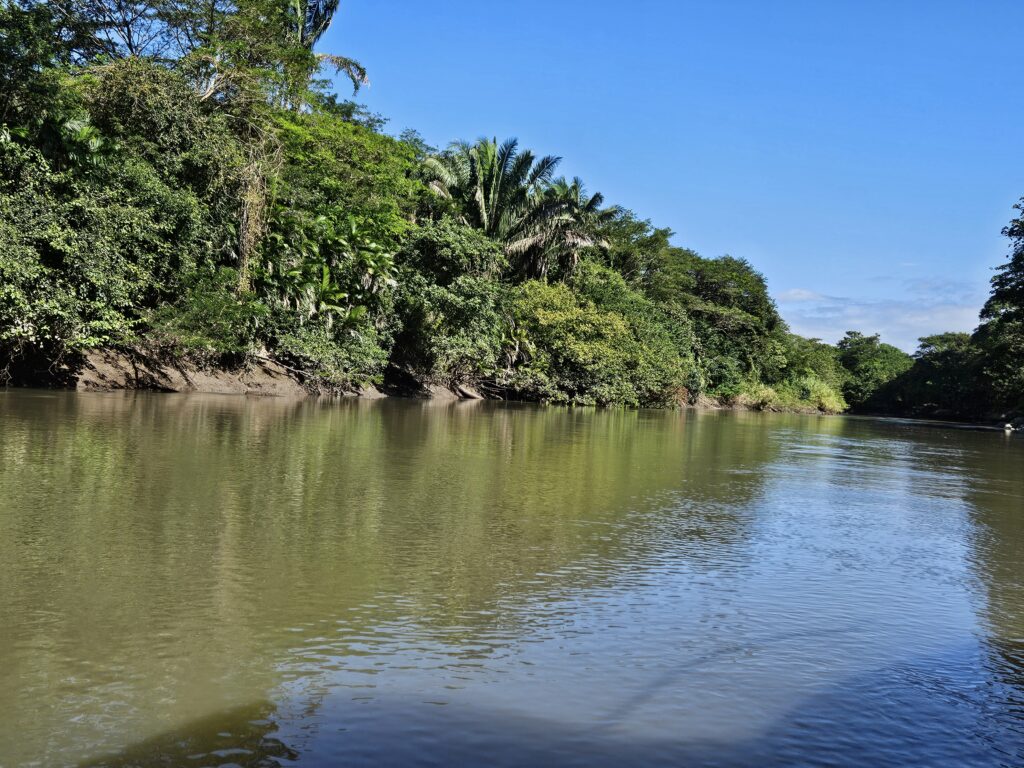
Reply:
x=110, y=370
x=261, y=375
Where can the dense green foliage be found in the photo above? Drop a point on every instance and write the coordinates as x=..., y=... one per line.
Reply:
x=1001, y=334
x=570, y=348
x=175, y=174
x=872, y=366
x=943, y=380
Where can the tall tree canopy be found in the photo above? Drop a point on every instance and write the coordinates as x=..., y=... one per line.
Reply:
x=511, y=196
x=1001, y=334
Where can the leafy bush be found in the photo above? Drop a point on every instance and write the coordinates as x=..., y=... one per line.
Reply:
x=665, y=331
x=343, y=358
x=450, y=334
x=331, y=165
x=812, y=357
x=738, y=333
x=74, y=262
x=210, y=316
x=445, y=250
x=97, y=229
x=805, y=393
x=811, y=391
x=563, y=348
x=871, y=366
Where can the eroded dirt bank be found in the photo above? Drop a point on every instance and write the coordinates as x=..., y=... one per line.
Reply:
x=141, y=368
x=105, y=370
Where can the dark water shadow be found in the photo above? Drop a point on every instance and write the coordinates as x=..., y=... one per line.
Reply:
x=244, y=737
x=923, y=711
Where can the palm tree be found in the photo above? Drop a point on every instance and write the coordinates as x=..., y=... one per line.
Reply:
x=309, y=20
x=509, y=195
x=575, y=227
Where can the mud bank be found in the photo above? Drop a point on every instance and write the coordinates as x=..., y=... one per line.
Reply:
x=107, y=370
x=144, y=368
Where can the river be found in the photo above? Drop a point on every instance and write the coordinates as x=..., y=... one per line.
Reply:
x=201, y=580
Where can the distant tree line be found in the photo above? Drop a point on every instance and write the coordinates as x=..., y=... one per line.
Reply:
x=177, y=174
x=955, y=375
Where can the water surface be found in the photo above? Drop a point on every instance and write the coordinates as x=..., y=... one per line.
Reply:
x=193, y=580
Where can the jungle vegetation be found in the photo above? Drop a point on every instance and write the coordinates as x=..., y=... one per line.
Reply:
x=178, y=174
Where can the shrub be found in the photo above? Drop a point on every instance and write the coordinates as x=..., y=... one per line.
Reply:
x=806, y=393
x=74, y=261
x=342, y=358
x=563, y=348
x=445, y=249
x=450, y=334
x=210, y=316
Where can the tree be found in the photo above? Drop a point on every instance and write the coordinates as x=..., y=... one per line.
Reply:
x=309, y=20
x=740, y=335
x=35, y=40
x=870, y=365
x=813, y=357
x=195, y=24
x=572, y=229
x=510, y=196
x=123, y=28
x=634, y=247
x=943, y=380
x=1007, y=299
x=1001, y=334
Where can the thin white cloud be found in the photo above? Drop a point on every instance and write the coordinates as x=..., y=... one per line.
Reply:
x=794, y=295
x=929, y=306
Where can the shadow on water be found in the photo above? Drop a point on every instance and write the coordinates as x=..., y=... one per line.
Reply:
x=244, y=736
x=857, y=722
x=234, y=738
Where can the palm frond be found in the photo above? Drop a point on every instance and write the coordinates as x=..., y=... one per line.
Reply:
x=513, y=197
x=544, y=169
x=355, y=71
x=316, y=19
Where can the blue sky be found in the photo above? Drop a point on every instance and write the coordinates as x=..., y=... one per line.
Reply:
x=863, y=155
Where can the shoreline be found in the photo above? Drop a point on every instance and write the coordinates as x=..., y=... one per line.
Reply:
x=142, y=369
x=145, y=369
x=108, y=370
x=441, y=395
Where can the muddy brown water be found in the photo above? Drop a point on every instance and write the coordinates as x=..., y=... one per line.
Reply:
x=202, y=580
